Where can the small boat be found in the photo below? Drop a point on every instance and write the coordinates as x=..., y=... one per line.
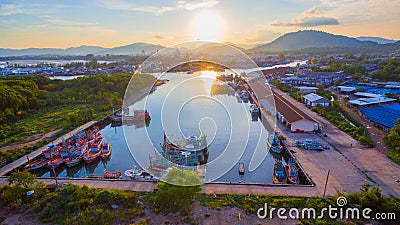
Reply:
x=75, y=159
x=112, y=175
x=254, y=110
x=274, y=143
x=36, y=165
x=56, y=162
x=106, y=150
x=279, y=176
x=51, y=152
x=241, y=168
x=94, y=151
x=292, y=172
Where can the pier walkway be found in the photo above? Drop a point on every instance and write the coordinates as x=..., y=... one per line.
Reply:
x=23, y=160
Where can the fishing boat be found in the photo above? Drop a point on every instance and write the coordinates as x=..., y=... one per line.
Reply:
x=292, y=172
x=56, y=162
x=190, y=151
x=51, y=152
x=138, y=115
x=279, y=176
x=74, y=160
x=106, y=150
x=241, y=168
x=32, y=166
x=254, y=110
x=94, y=149
x=245, y=96
x=274, y=143
x=112, y=175
x=239, y=94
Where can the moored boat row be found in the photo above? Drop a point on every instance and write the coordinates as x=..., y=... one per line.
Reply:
x=86, y=146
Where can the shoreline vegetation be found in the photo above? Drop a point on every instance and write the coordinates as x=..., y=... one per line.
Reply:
x=36, y=105
x=73, y=204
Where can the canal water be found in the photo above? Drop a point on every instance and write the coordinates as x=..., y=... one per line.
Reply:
x=189, y=104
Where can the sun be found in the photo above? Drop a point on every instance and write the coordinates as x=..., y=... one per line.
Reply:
x=208, y=25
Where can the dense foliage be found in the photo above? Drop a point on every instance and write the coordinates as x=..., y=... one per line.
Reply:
x=390, y=72
x=72, y=204
x=17, y=98
x=178, y=190
x=393, y=141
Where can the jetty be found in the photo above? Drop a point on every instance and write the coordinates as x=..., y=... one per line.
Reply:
x=33, y=155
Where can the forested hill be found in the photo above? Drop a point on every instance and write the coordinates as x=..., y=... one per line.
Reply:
x=310, y=38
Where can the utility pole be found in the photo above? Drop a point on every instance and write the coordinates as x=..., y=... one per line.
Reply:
x=326, y=183
x=55, y=177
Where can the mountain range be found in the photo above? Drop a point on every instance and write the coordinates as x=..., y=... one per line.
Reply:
x=305, y=39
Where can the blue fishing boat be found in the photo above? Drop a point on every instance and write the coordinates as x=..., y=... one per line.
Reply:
x=274, y=143
x=255, y=112
x=279, y=176
x=292, y=172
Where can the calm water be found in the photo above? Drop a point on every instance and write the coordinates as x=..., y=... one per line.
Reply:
x=188, y=105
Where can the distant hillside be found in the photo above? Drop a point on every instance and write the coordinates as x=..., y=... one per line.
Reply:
x=310, y=39
x=132, y=49
x=378, y=40
x=218, y=49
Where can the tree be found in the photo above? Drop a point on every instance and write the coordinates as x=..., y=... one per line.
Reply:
x=178, y=190
x=22, y=178
x=336, y=83
x=320, y=86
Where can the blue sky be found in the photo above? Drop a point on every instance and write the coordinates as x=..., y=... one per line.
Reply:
x=108, y=23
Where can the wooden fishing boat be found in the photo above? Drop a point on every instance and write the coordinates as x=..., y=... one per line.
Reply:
x=112, y=175
x=279, y=176
x=191, y=151
x=241, y=168
x=292, y=172
x=32, y=166
x=56, y=162
x=94, y=149
x=106, y=150
x=51, y=152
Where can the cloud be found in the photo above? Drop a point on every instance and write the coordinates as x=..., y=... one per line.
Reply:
x=158, y=37
x=309, y=18
x=311, y=11
x=308, y=22
x=190, y=5
x=68, y=23
x=14, y=9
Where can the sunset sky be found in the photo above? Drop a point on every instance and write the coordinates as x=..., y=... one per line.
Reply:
x=109, y=23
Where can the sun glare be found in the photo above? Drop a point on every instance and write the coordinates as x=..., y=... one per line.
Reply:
x=208, y=25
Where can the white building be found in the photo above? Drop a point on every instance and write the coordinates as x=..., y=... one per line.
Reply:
x=314, y=100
